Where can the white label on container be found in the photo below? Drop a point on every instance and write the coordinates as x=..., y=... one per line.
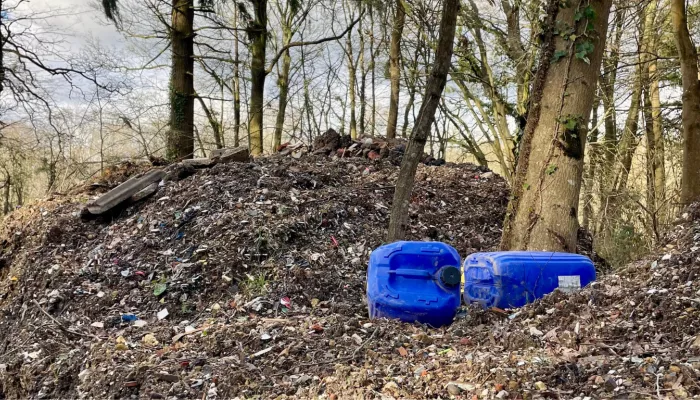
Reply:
x=569, y=283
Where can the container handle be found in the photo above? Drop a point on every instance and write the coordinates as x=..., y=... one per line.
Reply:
x=419, y=273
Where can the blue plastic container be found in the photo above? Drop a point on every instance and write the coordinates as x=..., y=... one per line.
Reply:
x=414, y=282
x=509, y=279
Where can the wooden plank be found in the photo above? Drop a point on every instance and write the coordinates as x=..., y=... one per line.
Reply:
x=200, y=162
x=145, y=192
x=124, y=191
x=240, y=154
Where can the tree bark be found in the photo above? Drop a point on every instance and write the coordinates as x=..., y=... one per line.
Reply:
x=363, y=81
x=410, y=78
x=236, y=85
x=8, y=193
x=372, y=67
x=352, y=77
x=431, y=100
x=470, y=144
x=283, y=85
x=616, y=174
x=656, y=175
x=628, y=141
x=180, y=139
x=257, y=34
x=592, y=165
x=2, y=45
x=395, y=69
x=213, y=122
x=659, y=154
x=690, y=179
x=607, y=86
x=543, y=212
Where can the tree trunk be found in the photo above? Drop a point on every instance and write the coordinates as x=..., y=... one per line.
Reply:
x=395, y=69
x=363, y=81
x=236, y=85
x=628, y=141
x=307, y=100
x=426, y=115
x=222, y=120
x=607, y=90
x=471, y=145
x=659, y=164
x=180, y=140
x=411, y=77
x=543, y=212
x=213, y=122
x=372, y=67
x=618, y=173
x=656, y=176
x=2, y=45
x=352, y=77
x=407, y=111
x=283, y=84
x=690, y=179
x=8, y=193
x=593, y=161
x=257, y=34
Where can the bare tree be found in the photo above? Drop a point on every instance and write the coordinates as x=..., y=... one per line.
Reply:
x=395, y=67
x=426, y=116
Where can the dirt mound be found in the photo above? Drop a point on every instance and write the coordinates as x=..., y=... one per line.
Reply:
x=259, y=265
x=247, y=279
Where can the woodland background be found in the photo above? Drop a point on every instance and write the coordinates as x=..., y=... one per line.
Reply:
x=72, y=104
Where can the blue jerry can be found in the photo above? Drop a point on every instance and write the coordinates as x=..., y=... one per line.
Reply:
x=414, y=282
x=509, y=279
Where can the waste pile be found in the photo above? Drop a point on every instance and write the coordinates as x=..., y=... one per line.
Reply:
x=232, y=274
x=246, y=280
x=335, y=145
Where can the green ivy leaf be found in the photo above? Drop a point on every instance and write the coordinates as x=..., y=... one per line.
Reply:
x=570, y=124
x=585, y=47
x=558, y=55
x=578, y=16
x=551, y=169
x=589, y=12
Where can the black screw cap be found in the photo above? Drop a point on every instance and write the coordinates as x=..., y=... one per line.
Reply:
x=450, y=276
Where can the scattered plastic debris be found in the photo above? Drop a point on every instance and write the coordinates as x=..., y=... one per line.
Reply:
x=162, y=313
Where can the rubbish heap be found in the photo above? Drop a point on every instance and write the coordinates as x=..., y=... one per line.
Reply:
x=246, y=280
x=224, y=268
x=335, y=145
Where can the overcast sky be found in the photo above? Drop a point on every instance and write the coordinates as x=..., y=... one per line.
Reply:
x=77, y=18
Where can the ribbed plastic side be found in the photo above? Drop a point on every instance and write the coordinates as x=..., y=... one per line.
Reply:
x=513, y=279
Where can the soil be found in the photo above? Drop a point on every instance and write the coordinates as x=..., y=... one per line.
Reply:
x=261, y=268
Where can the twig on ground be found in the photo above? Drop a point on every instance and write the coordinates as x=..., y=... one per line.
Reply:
x=63, y=328
x=354, y=353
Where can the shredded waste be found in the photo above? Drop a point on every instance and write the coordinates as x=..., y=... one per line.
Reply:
x=247, y=280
